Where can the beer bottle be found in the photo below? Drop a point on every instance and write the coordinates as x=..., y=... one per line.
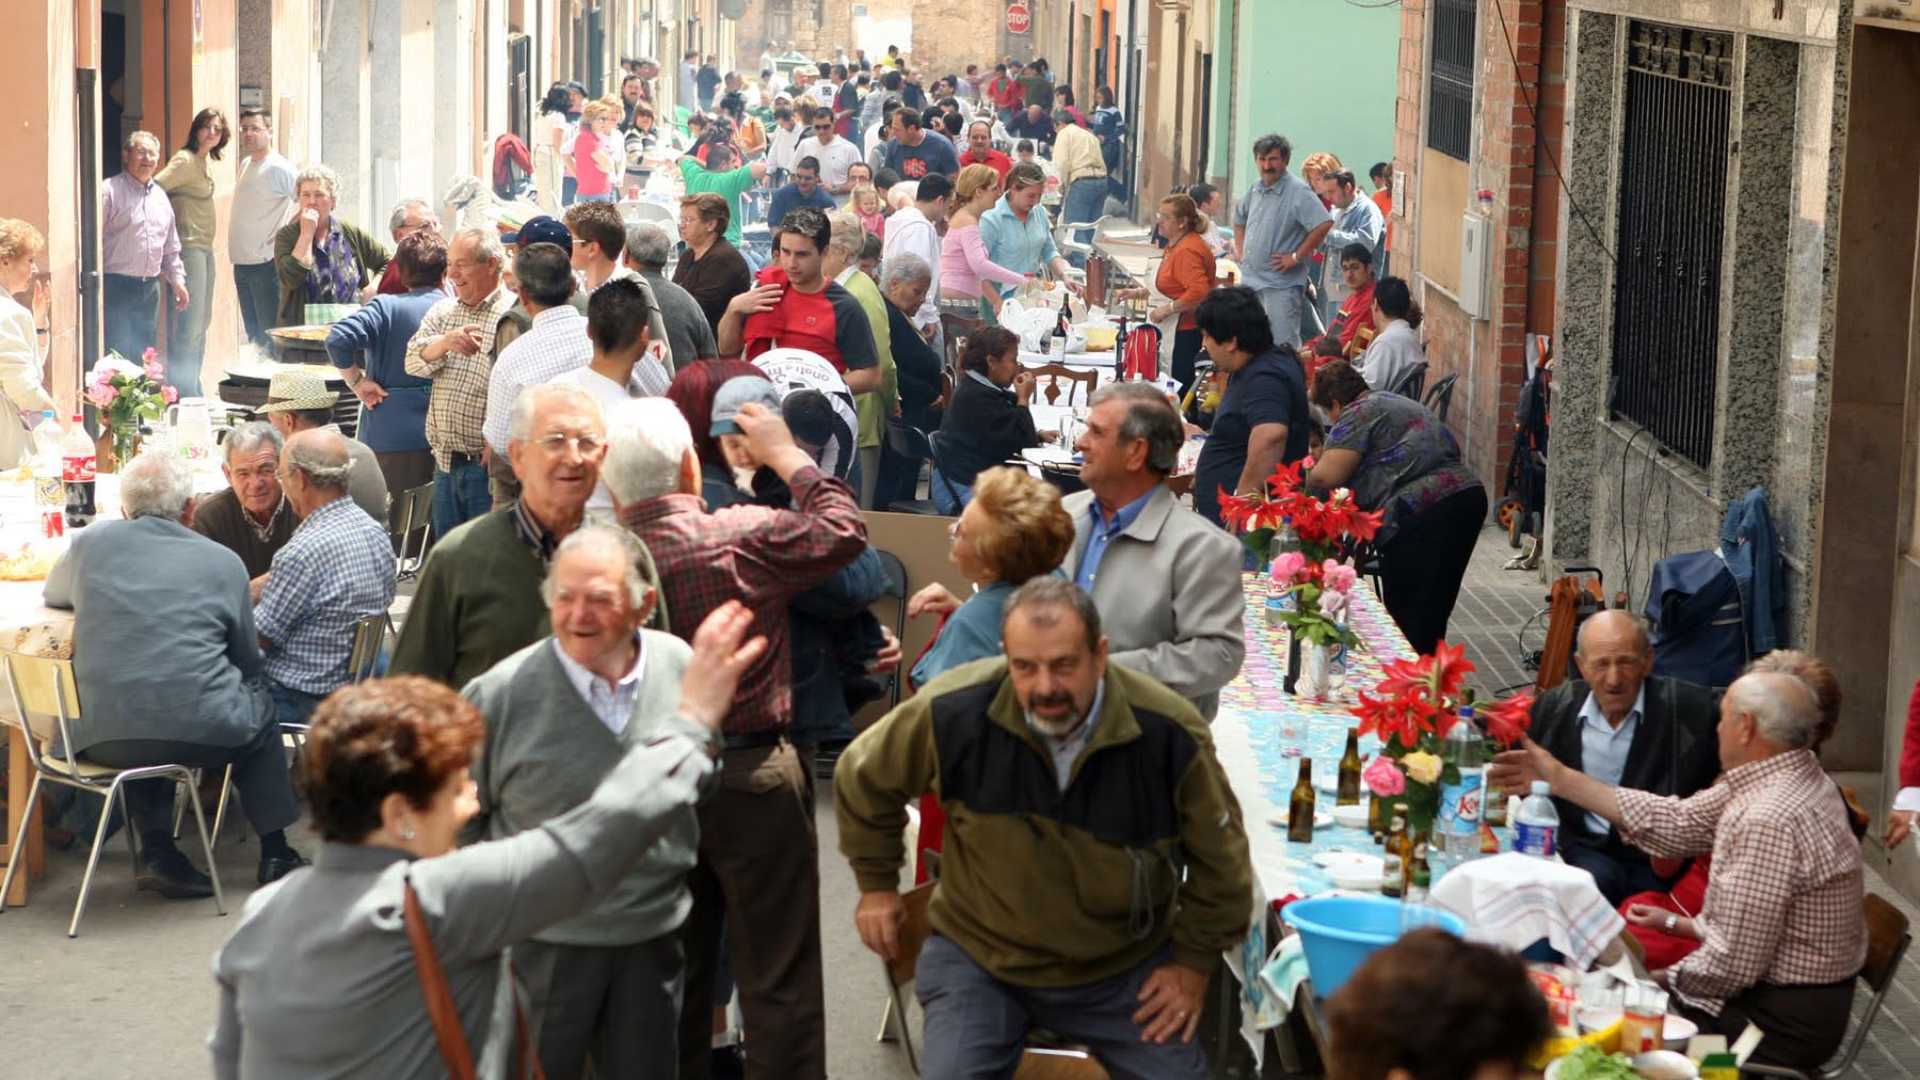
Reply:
x=1349, y=791
x=1419, y=876
x=1300, y=807
x=1377, y=818
x=1399, y=855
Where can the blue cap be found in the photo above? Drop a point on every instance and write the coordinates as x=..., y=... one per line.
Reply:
x=542, y=230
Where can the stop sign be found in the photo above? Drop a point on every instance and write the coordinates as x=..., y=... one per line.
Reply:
x=1019, y=17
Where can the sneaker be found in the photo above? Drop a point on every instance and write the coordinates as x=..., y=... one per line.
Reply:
x=168, y=873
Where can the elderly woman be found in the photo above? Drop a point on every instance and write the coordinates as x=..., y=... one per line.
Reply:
x=331, y=971
x=1013, y=530
x=963, y=254
x=904, y=281
x=710, y=268
x=987, y=421
x=1185, y=278
x=1397, y=458
x=188, y=182
x=321, y=259
x=23, y=336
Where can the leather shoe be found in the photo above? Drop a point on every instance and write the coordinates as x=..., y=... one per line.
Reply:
x=172, y=876
x=275, y=867
x=728, y=1063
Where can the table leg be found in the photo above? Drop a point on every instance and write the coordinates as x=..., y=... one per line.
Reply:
x=19, y=780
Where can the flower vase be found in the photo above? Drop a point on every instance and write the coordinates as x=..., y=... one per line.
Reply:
x=114, y=450
x=1316, y=671
x=1423, y=805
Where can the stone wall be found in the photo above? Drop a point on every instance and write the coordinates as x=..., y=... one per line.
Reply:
x=947, y=36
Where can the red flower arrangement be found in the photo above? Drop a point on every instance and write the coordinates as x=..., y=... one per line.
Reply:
x=1317, y=576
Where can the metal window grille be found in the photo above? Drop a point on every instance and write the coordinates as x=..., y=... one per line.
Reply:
x=1450, y=78
x=1673, y=195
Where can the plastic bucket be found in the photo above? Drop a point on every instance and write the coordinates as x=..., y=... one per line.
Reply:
x=1338, y=933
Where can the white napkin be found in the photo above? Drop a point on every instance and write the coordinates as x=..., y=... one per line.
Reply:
x=1514, y=900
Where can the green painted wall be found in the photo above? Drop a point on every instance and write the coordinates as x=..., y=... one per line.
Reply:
x=1320, y=72
x=1220, y=110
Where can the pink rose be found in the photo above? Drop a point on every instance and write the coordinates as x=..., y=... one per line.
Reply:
x=1382, y=778
x=1288, y=566
x=155, y=369
x=169, y=394
x=102, y=394
x=1338, y=576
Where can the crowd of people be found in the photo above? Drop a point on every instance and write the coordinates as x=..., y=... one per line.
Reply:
x=642, y=632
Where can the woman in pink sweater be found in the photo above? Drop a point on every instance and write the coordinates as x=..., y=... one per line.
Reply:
x=963, y=255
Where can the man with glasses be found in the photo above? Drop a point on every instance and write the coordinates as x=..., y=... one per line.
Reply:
x=478, y=600
x=835, y=154
x=803, y=191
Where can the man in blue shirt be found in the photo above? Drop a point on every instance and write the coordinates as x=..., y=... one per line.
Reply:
x=1017, y=232
x=803, y=190
x=915, y=152
x=1276, y=228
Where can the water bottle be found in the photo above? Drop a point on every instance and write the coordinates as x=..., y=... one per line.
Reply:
x=1536, y=828
x=1280, y=598
x=76, y=474
x=1463, y=761
x=49, y=491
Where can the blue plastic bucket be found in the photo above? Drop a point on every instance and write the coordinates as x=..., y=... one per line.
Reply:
x=1338, y=933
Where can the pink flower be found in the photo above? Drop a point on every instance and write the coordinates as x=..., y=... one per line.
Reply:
x=1338, y=576
x=1382, y=778
x=169, y=394
x=1288, y=565
x=102, y=394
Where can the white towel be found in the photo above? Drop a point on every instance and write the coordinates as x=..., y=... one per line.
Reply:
x=1514, y=900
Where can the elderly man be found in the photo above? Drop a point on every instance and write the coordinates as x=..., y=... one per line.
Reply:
x=139, y=248
x=689, y=335
x=1166, y=581
x=1077, y=792
x=369, y=347
x=980, y=150
x=455, y=347
x=1625, y=727
x=411, y=215
x=251, y=518
x=606, y=983
x=1032, y=123
x=1782, y=930
x=478, y=600
x=1277, y=227
x=336, y=570
x=1262, y=419
x=1357, y=220
x=298, y=401
x=758, y=859
x=170, y=660
x=1016, y=230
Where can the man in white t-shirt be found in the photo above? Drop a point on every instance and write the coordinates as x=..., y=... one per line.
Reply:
x=262, y=202
x=621, y=369
x=835, y=154
x=916, y=229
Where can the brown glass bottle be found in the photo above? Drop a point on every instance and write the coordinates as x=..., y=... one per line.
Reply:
x=1349, y=787
x=1399, y=855
x=1300, y=806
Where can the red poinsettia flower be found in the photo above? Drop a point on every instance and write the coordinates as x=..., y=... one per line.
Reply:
x=1509, y=720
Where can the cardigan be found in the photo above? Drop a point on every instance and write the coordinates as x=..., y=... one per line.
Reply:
x=371, y=253
x=22, y=398
x=477, y=602
x=546, y=752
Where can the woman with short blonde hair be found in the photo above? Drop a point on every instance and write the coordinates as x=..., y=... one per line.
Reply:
x=23, y=335
x=966, y=273
x=1012, y=531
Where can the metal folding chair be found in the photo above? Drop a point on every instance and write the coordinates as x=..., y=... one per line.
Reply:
x=47, y=702
x=410, y=523
x=1887, y=943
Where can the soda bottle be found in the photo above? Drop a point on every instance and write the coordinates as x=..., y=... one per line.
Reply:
x=1349, y=785
x=49, y=492
x=1300, y=806
x=1536, y=829
x=76, y=474
x=1463, y=761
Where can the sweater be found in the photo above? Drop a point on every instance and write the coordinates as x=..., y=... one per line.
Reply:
x=220, y=519
x=1042, y=886
x=371, y=253
x=478, y=602
x=983, y=427
x=545, y=754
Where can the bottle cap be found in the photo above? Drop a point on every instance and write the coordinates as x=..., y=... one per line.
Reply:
x=1540, y=787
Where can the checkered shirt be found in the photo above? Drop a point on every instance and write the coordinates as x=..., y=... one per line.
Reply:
x=1783, y=906
x=759, y=556
x=457, y=405
x=555, y=344
x=335, y=570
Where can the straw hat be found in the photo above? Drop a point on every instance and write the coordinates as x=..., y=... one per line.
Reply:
x=295, y=390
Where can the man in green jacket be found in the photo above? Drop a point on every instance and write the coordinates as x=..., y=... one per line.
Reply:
x=1094, y=866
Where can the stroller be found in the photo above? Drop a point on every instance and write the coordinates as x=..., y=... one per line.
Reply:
x=1525, y=502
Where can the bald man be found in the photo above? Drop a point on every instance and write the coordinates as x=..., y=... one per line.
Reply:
x=1625, y=727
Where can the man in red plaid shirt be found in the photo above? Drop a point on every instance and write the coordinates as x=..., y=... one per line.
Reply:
x=758, y=862
x=1783, y=929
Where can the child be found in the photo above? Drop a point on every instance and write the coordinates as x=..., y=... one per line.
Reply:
x=868, y=208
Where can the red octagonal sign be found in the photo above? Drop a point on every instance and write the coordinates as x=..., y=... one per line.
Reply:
x=1019, y=17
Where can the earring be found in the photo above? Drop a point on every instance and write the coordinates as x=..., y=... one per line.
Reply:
x=406, y=833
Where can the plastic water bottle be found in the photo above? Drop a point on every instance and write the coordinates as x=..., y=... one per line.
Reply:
x=1280, y=598
x=49, y=490
x=1463, y=761
x=1536, y=829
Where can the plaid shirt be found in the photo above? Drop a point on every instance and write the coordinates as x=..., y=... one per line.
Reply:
x=759, y=556
x=1783, y=905
x=457, y=405
x=555, y=344
x=336, y=570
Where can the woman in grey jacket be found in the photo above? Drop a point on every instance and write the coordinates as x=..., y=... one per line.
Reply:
x=319, y=979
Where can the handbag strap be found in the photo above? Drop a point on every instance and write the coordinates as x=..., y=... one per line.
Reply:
x=448, y=1031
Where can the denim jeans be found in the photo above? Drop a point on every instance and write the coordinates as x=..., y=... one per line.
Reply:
x=459, y=496
x=1082, y=205
x=132, y=309
x=609, y=197
x=948, y=497
x=187, y=330
x=259, y=287
x=292, y=706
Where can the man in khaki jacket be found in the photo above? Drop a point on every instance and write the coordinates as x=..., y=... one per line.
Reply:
x=1095, y=863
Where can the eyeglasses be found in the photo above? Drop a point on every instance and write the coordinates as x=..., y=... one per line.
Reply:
x=587, y=445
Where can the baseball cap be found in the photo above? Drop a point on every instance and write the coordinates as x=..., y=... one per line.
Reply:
x=735, y=392
x=541, y=230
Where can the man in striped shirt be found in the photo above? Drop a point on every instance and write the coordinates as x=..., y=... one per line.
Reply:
x=1783, y=932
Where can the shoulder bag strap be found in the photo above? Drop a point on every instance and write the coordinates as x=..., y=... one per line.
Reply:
x=447, y=1029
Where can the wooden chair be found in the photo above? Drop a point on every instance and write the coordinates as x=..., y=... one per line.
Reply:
x=1887, y=942
x=1038, y=1062
x=47, y=702
x=1088, y=378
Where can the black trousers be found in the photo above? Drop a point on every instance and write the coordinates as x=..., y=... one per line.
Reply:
x=1804, y=1024
x=133, y=311
x=1421, y=568
x=1186, y=346
x=259, y=777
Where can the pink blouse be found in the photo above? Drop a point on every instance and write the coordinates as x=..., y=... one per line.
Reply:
x=875, y=224
x=964, y=264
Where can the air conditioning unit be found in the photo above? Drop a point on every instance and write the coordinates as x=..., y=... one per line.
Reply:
x=1476, y=233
